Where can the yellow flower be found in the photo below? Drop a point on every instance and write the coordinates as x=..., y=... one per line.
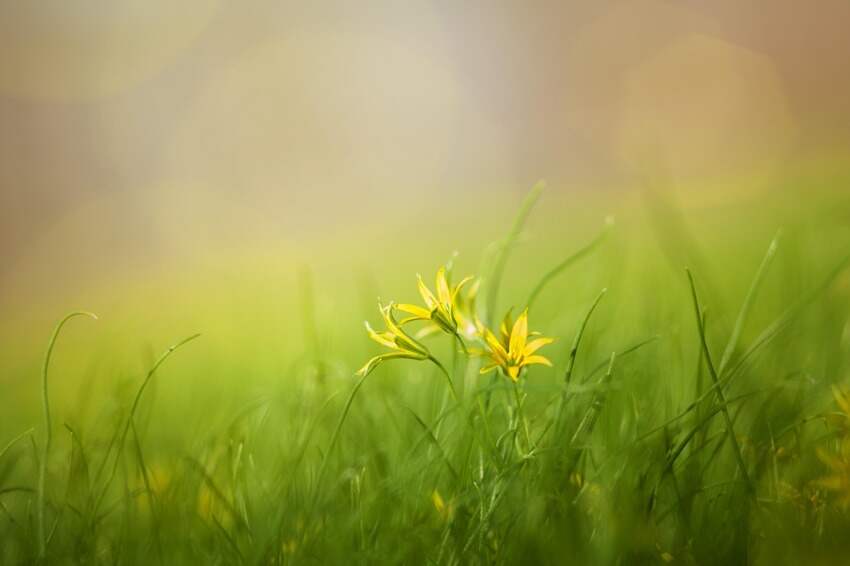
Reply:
x=839, y=464
x=512, y=351
x=444, y=510
x=401, y=344
x=839, y=478
x=440, y=308
x=464, y=310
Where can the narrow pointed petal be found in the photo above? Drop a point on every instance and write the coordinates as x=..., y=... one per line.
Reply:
x=488, y=368
x=841, y=400
x=442, y=285
x=505, y=328
x=460, y=286
x=536, y=360
x=418, y=312
x=377, y=360
x=519, y=335
x=382, y=338
x=427, y=295
x=536, y=344
x=496, y=349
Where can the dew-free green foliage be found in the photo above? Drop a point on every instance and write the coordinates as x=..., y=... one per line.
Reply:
x=695, y=411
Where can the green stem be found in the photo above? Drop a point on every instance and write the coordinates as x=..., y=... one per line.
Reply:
x=129, y=423
x=335, y=435
x=437, y=363
x=520, y=416
x=501, y=258
x=48, y=433
x=721, y=397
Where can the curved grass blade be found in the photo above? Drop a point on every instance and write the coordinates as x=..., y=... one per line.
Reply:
x=577, y=340
x=335, y=436
x=124, y=432
x=15, y=441
x=434, y=441
x=48, y=432
x=571, y=259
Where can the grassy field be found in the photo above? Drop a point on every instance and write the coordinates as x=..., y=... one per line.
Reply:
x=689, y=416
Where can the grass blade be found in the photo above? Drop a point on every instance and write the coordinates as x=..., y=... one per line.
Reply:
x=721, y=397
x=48, y=432
x=505, y=247
x=571, y=259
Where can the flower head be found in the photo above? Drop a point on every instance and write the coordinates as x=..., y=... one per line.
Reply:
x=401, y=344
x=464, y=310
x=440, y=306
x=838, y=479
x=513, y=350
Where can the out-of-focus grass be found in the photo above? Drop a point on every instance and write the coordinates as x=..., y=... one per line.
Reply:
x=228, y=458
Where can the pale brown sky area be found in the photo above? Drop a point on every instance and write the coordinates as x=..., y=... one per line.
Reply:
x=124, y=124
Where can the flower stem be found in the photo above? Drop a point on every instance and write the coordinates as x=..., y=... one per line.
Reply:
x=437, y=363
x=520, y=417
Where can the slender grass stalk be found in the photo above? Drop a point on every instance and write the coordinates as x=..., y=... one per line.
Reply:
x=626, y=351
x=432, y=437
x=504, y=249
x=568, y=261
x=335, y=436
x=15, y=441
x=124, y=432
x=448, y=377
x=577, y=340
x=747, y=304
x=721, y=397
x=48, y=431
x=149, y=494
x=588, y=421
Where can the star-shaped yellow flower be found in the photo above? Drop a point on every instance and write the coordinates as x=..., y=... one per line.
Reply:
x=440, y=307
x=512, y=351
x=401, y=344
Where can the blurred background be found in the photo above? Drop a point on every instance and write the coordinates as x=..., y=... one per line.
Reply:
x=151, y=150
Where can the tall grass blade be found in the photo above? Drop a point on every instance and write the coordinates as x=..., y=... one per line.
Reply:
x=504, y=249
x=568, y=261
x=48, y=431
x=721, y=397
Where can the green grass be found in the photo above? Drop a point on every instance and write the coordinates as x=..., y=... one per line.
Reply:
x=690, y=398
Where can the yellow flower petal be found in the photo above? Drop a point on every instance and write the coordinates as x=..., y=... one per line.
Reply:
x=536, y=344
x=382, y=338
x=536, y=360
x=427, y=296
x=442, y=286
x=519, y=335
x=505, y=328
x=833, y=483
x=831, y=461
x=841, y=400
x=377, y=360
x=401, y=339
x=459, y=286
x=418, y=312
x=496, y=349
